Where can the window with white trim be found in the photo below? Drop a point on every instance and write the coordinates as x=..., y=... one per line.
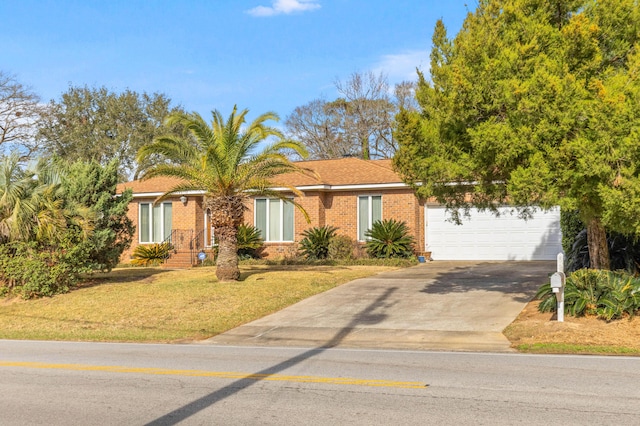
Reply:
x=274, y=219
x=369, y=212
x=154, y=224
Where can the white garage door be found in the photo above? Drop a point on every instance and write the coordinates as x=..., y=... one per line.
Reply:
x=487, y=237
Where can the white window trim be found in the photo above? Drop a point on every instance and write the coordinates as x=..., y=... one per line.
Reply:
x=209, y=231
x=150, y=204
x=370, y=212
x=268, y=213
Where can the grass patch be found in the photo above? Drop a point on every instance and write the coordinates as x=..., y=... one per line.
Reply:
x=565, y=348
x=157, y=305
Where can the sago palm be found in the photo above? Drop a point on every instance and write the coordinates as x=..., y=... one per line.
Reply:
x=222, y=159
x=389, y=238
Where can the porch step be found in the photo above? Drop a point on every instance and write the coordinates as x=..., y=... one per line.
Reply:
x=181, y=259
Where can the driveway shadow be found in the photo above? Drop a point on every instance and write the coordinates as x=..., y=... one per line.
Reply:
x=520, y=280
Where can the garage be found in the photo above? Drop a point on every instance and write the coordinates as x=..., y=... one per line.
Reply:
x=484, y=236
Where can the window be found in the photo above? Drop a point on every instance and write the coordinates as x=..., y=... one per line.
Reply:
x=369, y=211
x=155, y=222
x=274, y=219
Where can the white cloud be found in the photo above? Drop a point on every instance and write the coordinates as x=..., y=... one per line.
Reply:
x=402, y=66
x=284, y=7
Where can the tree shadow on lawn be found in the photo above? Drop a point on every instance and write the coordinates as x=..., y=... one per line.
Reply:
x=121, y=276
x=249, y=270
x=521, y=280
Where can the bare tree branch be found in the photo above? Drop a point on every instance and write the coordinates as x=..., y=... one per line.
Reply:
x=20, y=110
x=359, y=123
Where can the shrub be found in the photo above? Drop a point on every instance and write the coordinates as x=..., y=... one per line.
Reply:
x=250, y=243
x=315, y=244
x=151, y=255
x=341, y=248
x=35, y=270
x=389, y=238
x=570, y=225
x=624, y=253
x=94, y=186
x=607, y=294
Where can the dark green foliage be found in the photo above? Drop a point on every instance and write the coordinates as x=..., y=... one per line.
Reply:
x=395, y=262
x=315, y=244
x=341, y=247
x=570, y=225
x=624, y=252
x=607, y=294
x=32, y=270
x=548, y=301
x=389, y=238
x=58, y=221
x=150, y=254
x=94, y=186
x=250, y=243
x=532, y=103
x=95, y=124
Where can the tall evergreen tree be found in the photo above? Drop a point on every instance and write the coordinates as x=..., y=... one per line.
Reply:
x=533, y=103
x=92, y=185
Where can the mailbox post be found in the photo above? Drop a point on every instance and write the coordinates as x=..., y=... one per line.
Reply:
x=558, y=280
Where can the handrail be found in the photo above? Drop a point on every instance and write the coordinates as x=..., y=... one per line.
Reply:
x=178, y=239
x=196, y=245
x=168, y=242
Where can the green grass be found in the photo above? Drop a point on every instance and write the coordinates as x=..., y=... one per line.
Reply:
x=157, y=305
x=566, y=348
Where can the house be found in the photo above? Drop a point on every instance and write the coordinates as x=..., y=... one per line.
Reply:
x=350, y=194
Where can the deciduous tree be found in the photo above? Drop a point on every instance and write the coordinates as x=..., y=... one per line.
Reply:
x=358, y=123
x=97, y=124
x=20, y=110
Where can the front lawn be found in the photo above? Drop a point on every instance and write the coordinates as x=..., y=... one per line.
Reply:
x=157, y=305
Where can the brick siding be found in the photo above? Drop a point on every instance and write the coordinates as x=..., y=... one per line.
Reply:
x=340, y=209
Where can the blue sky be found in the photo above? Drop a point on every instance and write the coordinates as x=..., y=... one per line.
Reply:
x=264, y=55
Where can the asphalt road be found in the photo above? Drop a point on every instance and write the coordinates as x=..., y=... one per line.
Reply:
x=57, y=383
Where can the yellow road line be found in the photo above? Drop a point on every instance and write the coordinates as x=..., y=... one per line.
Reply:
x=219, y=374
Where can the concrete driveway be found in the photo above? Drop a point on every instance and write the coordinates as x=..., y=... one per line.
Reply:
x=462, y=306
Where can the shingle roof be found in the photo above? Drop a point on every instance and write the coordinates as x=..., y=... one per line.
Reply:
x=149, y=186
x=337, y=172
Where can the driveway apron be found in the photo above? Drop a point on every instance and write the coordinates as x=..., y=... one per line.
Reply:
x=440, y=305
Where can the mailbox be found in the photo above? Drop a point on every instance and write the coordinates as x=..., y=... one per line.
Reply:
x=557, y=282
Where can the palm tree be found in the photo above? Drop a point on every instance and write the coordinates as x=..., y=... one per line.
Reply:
x=33, y=205
x=222, y=161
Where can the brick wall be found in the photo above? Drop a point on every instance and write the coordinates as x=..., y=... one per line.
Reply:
x=185, y=217
x=340, y=209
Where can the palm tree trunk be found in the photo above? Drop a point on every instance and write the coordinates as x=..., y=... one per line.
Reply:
x=227, y=262
x=597, y=242
x=227, y=213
